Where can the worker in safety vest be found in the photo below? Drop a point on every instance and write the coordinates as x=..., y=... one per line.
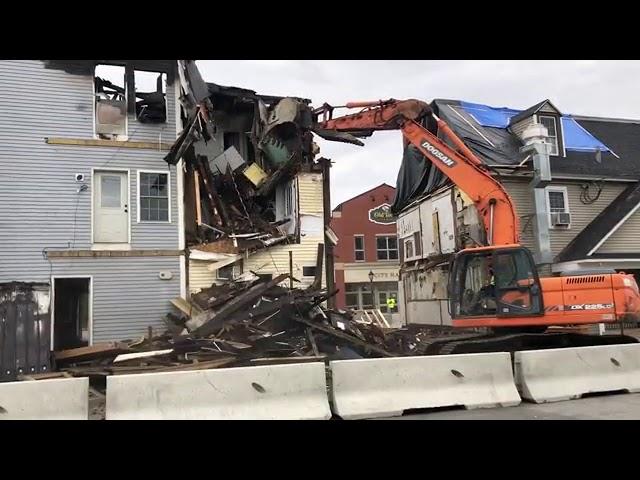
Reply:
x=391, y=303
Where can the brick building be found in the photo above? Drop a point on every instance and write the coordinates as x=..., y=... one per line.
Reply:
x=366, y=257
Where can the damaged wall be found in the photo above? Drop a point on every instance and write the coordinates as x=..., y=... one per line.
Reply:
x=40, y=206
x=42, y=209
x=276, y=259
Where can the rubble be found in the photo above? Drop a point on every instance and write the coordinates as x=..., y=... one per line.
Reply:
x=255, y=322
x=240, y=149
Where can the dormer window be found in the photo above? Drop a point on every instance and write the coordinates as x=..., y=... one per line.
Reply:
x=544, y=113
x=550, y=124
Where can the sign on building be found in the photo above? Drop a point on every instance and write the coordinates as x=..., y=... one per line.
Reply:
x=382, y=215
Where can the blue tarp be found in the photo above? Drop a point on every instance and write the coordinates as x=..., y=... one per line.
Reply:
x=575, y=136
x=489, y=116
x=578, y=139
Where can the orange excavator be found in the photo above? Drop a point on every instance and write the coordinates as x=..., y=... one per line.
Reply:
x=497, y=286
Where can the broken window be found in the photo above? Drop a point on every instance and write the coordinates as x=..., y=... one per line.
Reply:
x=151, y=95
x=153, y=192
x=110, y=101
x=225, y=273
x=309, y=271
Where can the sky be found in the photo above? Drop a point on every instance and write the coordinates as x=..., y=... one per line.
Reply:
x=606, y=88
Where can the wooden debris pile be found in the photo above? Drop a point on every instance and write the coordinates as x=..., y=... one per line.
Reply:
x=242, y=324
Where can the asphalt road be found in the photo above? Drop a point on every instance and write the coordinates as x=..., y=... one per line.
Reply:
x=609, y=407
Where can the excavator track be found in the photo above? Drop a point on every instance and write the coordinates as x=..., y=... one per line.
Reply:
x=522, y=341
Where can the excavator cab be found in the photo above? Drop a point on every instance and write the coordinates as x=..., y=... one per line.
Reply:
x=494, y=282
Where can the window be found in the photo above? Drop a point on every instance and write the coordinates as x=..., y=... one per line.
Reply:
x=351, y=296
x=309, y=271
x=150, y=88
x=387, y=248
x=550, y=124
x=110, y=101
x=153, y=197
x=365, y=296
x=225, y=273
x=408, y=248
x=387, y=291
x=359, y=247
x=288, y=200
x=417, y=243
x=558, y=207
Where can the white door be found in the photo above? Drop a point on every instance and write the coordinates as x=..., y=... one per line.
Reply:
x=110, y=207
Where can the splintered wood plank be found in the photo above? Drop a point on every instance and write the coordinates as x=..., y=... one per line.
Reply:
x=98, y=350
x=188, y=308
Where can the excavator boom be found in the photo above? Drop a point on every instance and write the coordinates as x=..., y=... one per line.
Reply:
x=495, y=285
x=457, y=162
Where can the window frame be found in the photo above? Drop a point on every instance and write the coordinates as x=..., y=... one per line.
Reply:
x=567, y=209
x=363, y=249
x=557, y=136
x=165, y=93
x=117, y=137
x=397, y=250
x=138, y=210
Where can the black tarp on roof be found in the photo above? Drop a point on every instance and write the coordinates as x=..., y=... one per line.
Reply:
x=497, y=146
x=418, y=177
x=623, y=137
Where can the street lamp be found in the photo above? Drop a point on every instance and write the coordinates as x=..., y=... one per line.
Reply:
x=371, y=275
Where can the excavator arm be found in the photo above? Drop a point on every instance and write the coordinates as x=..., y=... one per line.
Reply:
x=459, y=163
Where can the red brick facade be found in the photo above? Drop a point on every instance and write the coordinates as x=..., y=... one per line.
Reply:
x=353, y=218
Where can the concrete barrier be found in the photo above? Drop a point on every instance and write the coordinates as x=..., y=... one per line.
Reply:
x=55, y=399
x=566, y=373
x=274, y=392
x=385, y=387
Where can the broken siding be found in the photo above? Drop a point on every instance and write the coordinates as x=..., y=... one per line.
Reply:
x=128, y=295
x=275, y=260
x=626, y=239
x=40, y=207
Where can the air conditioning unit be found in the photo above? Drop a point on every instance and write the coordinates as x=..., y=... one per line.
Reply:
x=561, y=218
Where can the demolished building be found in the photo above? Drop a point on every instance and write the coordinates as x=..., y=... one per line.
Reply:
x=100, y=176
x=255, y=193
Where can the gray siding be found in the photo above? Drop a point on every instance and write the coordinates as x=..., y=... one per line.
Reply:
x=626, y=239
x=40, y=207
x=521, y=126
x=581, y=214
x=39, y=203
x=128, y=295
x=523, y=199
